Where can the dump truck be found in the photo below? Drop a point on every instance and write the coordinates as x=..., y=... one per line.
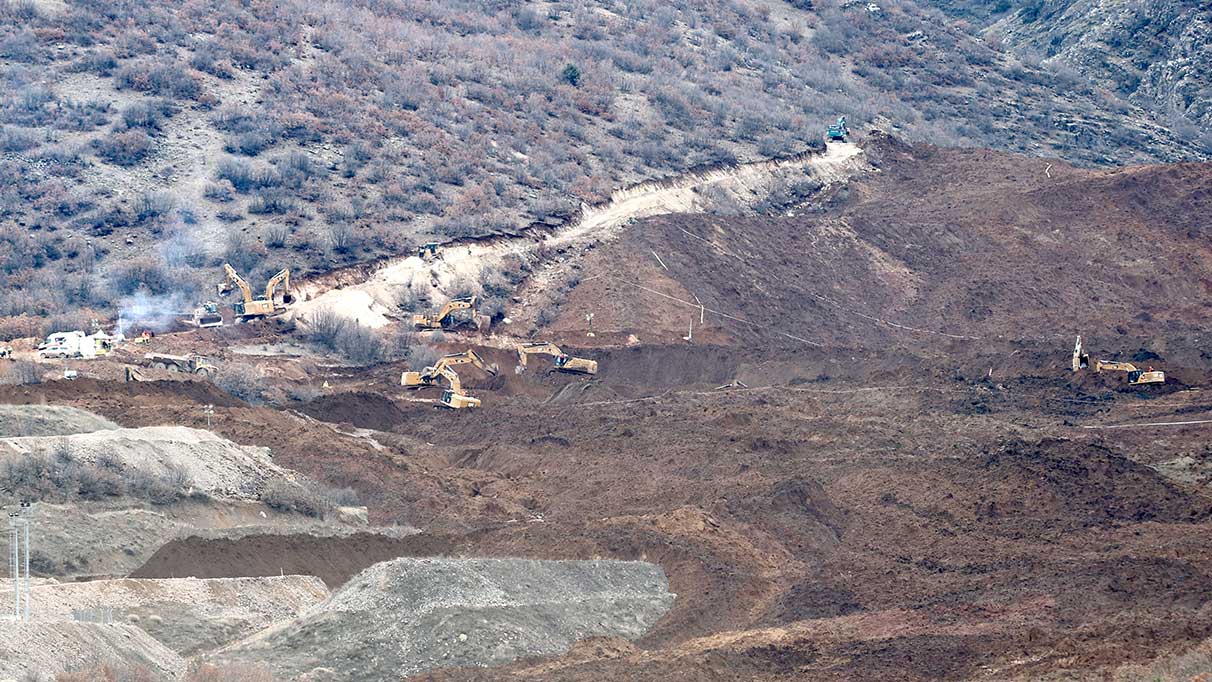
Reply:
x=187, y=364
x=255, y=308
x=563, y=361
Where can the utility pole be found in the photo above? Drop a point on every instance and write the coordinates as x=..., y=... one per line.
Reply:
x=18, y=531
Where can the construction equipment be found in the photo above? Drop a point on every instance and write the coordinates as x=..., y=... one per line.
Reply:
x=430, y=375
x=6, y=352
x=439, y=321
x=563, y=361
x=838, y=132
x=1136, y=376
x=207, y=315
x=251, y=308
x=189, y=364
x=132, y=374
x=427, y=250
x=455, y=397
x=75, y=344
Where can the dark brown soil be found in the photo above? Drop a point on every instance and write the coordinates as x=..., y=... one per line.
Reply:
x=333, y=559
x=914, y=499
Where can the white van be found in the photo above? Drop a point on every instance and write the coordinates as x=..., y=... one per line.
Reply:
x=64, y=345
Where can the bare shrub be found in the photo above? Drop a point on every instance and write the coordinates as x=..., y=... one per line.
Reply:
x=108, y=672
x=287, y=497
x=244, y=382
x=324, y=326
x=221, y=191
x=342, y=237
x=276, y=235
x=360, y=344
x=230, y=673
x=124, y=149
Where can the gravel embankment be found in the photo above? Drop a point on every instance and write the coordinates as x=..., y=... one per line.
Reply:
x=402, y=617
x=187, y=615
x=49, y=420
x=41, y=650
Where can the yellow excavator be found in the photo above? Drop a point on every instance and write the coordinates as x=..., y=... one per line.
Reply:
x=251, y=308
x=455, y=397
x=1136, y=376
x=430, y=375
x=438, y=321
x=563, y=361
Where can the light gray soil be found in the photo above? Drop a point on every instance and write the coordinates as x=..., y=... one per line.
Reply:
x=402, y=617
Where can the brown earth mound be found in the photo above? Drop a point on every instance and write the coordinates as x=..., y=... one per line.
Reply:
x=332, y=559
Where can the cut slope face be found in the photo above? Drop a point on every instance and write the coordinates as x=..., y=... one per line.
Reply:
x=402, y=617
x=371, y=302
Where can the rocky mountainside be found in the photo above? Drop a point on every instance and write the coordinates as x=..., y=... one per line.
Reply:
x=142, y=145
x=1152, y=53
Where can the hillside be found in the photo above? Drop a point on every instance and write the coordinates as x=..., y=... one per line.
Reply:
x=145, y=144
x=1153, y=54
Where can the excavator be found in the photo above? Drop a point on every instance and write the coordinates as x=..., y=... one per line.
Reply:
x=430, y=375
x=256, y=308
x=1136, y=376
x=563, y=361
x=838, y=132
x=455, y=397
x=438, y=321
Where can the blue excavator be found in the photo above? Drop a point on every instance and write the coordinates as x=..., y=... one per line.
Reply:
x=838, y=132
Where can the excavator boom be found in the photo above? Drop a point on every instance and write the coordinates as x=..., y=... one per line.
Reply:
x=252, y=308
x=422, y=321
x=283, y=278
x=430, y=375
x=563, y=361
x=1136, y=376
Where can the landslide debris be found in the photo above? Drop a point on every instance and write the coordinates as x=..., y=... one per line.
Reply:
x=402, y=617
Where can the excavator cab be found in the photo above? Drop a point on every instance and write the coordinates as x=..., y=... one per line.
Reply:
x=457, y=401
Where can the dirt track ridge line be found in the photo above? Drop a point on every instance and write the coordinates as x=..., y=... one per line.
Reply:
x=1148, y=424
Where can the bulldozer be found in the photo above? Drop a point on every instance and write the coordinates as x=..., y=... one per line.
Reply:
x=1136, y=376
x=563, y=361
x=251, y=308
x=207, y=315
x=455, y=397
x=443, y=317
x=838, y=132
x=430, y=375
x=427, y=250
x=132, y=374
